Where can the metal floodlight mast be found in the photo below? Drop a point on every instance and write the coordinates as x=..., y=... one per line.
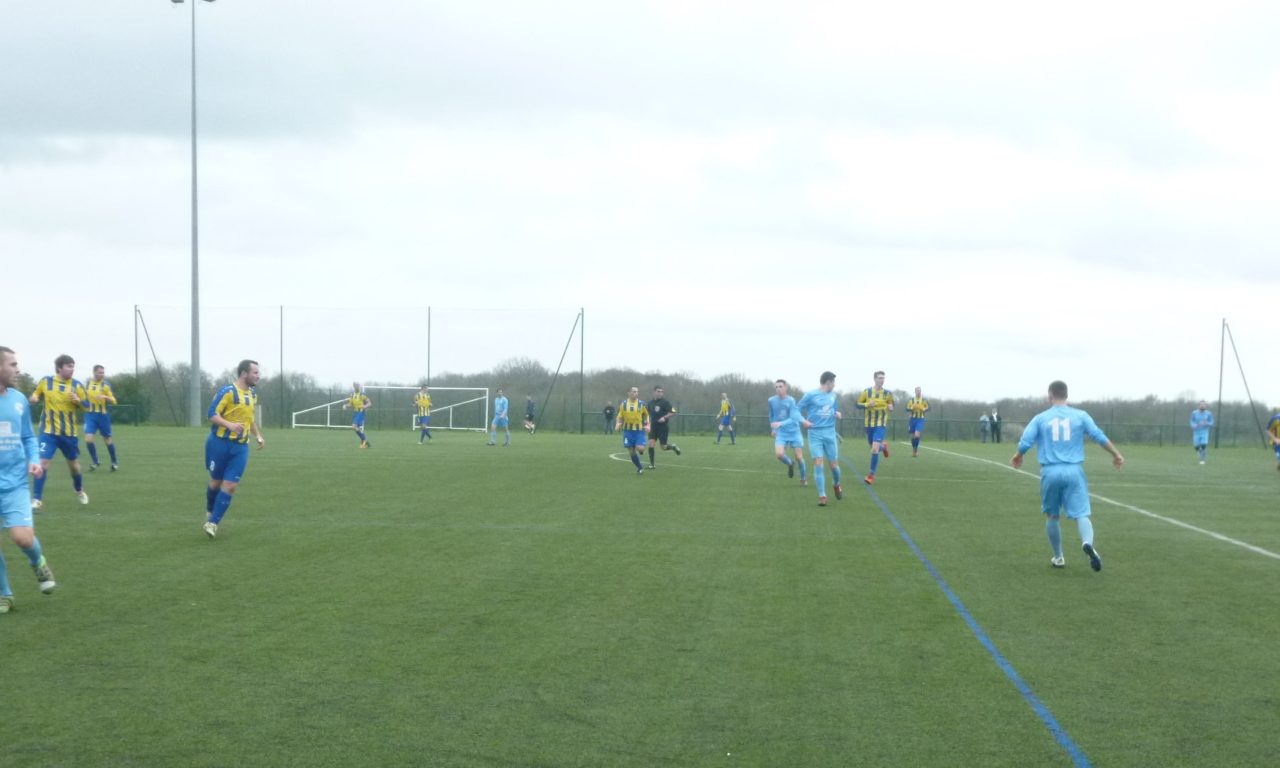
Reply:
x=196, y=392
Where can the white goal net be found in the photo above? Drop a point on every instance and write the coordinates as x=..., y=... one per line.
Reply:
x=459, y=408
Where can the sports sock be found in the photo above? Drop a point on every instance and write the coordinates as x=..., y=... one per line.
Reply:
x=820, y=479
x=915, y=444
x=38, y=491
x=77, y=482
x=93, y=453
x=733, y=437
x=875, y=461
x=835, y=474
x=220, y=507
x=507, y=440
x=719, y=435
x=802, y=469
x=635, y=459
x=785, y=460
x=33, y=552
x=1053, y=529
x=1086, y=529
x=210, y=495
x=5, y=589
x=651, y=454
x=493, y=437
x=111, y=449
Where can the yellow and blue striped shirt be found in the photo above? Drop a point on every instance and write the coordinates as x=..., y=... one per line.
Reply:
x=916, y=406
x=634, y=414
x=423, y=401
x=358, y=401
x=100, y=396
x=876, y=402
x=237, y=406
x=59, y=415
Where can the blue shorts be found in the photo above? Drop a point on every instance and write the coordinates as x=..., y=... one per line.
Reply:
x=793, y=440
x=824, y=445
x=726, y=421
x=51, y=444
x=915, y=425
x=875, y=435
x=357, y=420
x=634, y=438
x=225, y=459
x=97, y=422
x=424, y=421
x=15, y=507
x=1063, y=487
x=500, y=421
x=1199, y=437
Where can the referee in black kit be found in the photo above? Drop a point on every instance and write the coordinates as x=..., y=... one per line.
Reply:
x=660, y=413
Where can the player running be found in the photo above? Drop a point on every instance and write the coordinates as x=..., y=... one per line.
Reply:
x=875, y=402
x=784, y=424
x=820, y=408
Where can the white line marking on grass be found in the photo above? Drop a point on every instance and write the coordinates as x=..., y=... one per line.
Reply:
x=1131, y=508
x=626, y=457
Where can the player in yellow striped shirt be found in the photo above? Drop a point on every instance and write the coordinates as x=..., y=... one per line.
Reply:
x=916, y=406
x=633, y=420
x=358, y=402
x=64, y=399
x=422, y=401
x=98, y=418
x=875, y=402
x=226, y=449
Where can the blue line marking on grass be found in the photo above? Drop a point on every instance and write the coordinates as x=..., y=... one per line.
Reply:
x=1050, y=722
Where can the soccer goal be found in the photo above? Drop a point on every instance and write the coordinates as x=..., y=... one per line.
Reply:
x=457, y=408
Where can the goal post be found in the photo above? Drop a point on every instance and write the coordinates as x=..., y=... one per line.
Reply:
x=452, y=408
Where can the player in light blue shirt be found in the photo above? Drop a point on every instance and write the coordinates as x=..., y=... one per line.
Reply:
x=1201, y=423
x=784, y=423
x=19, y=458
x=1058, y=436
x=820, y=409
x=501, y=420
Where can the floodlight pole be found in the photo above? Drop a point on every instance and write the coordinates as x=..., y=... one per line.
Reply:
x=197, y=390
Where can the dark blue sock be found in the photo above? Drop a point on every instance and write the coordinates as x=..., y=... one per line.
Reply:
x=875, y=461
x=77, y=481
x=210, y=494
x=220, y=507
x=111, y=449
x=93, y=453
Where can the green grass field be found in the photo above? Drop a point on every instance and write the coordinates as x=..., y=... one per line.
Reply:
x=456, y=604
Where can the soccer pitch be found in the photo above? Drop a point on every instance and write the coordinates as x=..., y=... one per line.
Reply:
x=456, y=604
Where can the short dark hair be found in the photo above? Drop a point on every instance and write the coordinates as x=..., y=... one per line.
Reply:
x=243, y=367
x=6, y=349
x=1058, y=390
x=826, y=376
x=657, y=387
x=780, y=381
x=62, y=360
x=878, y=373
x=97, y=368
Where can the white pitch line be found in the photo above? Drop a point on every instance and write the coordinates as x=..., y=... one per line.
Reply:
x=627, y=458
x=1131, y=508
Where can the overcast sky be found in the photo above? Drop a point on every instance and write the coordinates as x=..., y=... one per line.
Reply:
x=975, y=197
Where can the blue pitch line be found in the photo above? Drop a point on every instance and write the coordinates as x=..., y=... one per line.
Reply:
x=1059, y=735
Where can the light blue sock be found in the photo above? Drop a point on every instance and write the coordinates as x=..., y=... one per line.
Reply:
x=5, y=589
x=220, y=507
x=786, y=460
x=506, y=440
x=820, y=478
x=1053, y=528
x=835, y=474
x=1086, y=530
x=34, y=552
x=493, y=437
x=802, y=468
